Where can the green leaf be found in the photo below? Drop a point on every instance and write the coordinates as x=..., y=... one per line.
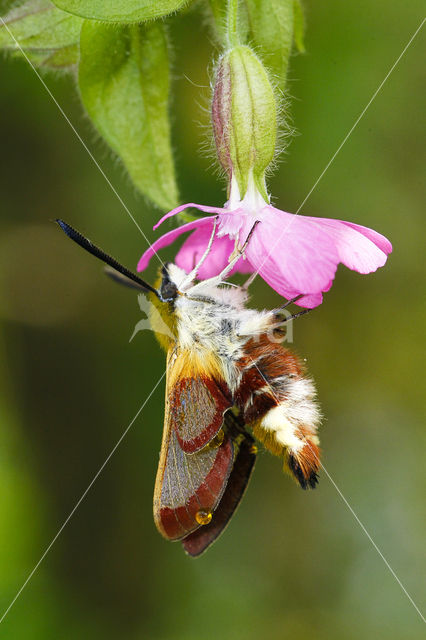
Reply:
x=48, y=35
x=126, y=11
x=271, y=26
x=124, y=84
x=56, y=59
x=299, y=26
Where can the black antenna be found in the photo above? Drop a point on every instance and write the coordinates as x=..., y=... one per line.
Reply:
x=98, y=253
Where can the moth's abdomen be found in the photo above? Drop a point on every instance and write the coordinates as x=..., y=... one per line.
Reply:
x=278, y=402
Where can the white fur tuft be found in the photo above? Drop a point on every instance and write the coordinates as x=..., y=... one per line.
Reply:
x=276, y=420
x=297, y=412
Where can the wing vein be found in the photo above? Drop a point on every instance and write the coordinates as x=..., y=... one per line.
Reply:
x=178, y=482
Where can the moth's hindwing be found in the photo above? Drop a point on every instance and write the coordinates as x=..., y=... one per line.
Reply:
x=198, y=541
x=194, y=468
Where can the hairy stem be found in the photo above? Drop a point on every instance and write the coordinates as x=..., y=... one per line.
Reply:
x=232, y=23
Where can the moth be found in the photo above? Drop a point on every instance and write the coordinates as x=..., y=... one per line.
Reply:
x=227, y=383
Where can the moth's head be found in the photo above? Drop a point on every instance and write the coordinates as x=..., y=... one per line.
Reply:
x=167, y=286
x=171, y=276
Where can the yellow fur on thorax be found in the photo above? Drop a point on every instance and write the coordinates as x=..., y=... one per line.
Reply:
x=167, y=316
x=195, y=363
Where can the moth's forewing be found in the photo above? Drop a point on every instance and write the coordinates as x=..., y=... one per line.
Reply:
x=197, y=406
x=188, y=485
x=198, y=399
x=198, y=541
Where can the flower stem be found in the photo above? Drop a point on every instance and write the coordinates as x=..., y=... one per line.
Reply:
x=232, y=23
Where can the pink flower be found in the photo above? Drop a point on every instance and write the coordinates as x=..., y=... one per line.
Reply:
x=294, y=254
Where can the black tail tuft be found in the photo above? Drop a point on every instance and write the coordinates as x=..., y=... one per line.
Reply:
x=308, y=481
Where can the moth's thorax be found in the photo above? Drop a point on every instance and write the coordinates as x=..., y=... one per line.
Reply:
x=207, y=325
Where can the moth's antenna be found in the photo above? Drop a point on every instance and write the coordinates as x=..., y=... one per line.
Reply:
x=98, y=253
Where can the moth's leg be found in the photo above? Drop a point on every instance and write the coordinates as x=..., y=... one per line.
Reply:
x=257, y=324
x=216, y=280
x=249, y=281
x=289, y=302
x=193, y=274
x=270, y=323
x=280, y=321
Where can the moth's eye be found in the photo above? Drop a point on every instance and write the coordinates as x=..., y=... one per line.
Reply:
x=168, y=291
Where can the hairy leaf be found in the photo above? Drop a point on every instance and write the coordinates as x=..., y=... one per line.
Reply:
x=126, y=11
x=48, y=35
x=124, y=85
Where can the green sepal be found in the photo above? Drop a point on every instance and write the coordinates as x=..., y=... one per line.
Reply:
x=124, y=11
x=47, y=35
x=124, y=85
x=244, y=117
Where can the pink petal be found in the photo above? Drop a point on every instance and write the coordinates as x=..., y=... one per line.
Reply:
x=182, y=207
x=169, y=237
x=359, y=248
x=309, y=301
x=302, y=253
x=232, y=222
x=269, y=272
x=194, y=247
x=379, y=240
x=298, y=257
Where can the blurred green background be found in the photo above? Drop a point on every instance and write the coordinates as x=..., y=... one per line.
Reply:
x=291, y=564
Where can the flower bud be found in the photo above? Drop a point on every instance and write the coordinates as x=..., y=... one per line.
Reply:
x=244, y=117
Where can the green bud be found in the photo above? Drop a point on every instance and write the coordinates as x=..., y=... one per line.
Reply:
x=244, y=116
